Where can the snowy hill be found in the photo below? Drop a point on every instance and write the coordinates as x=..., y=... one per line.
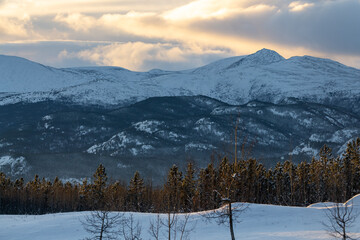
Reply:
x=258, y=222
x=264, y=75
x=19, y=75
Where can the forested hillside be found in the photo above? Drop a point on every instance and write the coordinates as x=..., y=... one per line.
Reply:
x=326, y=178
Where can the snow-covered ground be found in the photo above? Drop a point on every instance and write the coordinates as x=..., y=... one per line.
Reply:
x=258, y=222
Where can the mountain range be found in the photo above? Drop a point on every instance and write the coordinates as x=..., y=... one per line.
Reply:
x=66, y=121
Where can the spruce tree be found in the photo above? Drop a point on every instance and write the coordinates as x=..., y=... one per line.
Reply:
x=172, y=189
x=98, y=188
x=136, y=192
x=188, y=189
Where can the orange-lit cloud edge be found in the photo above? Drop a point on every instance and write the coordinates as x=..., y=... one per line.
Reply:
x=131, y=33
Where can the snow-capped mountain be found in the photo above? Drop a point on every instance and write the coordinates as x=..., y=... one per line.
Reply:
x=66, y=121
x=264, y=76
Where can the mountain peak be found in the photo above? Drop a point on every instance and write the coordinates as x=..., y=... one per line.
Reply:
x=264, y=56
x=261, y=57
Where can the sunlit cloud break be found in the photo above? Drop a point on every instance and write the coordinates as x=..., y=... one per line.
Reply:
x=161, y=34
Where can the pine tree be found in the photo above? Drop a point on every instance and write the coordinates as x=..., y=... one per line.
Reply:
x=351, y=160
x=188, y=189
x=325, y=159
x=302, y=184
x=136, y=193
x=225, y=179
x=207, y=183
x=172, y=189
x=98, y=188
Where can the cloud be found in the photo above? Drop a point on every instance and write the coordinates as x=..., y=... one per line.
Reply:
x=318, y=26
x=48, y=52
x=13, y=27
x=299, y=6
x=76, y=21
x=205, y=9
x=12, y=8
x=145, y=56
x=325, y=28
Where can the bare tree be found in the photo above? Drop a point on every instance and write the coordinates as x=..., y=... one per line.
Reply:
x=227, y=215
x=177, y=226
x=184, y=228
x=102, y=225
x=130, y=229
x=155, y=228
x=341, y=218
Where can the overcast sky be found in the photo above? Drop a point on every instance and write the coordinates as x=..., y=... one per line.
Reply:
x=176, y=34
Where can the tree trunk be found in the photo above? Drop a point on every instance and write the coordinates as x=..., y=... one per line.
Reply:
x=102, y=226
x=231, y=222
x=169, y=225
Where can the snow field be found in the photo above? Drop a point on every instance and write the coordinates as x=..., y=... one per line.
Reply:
x=260, y=221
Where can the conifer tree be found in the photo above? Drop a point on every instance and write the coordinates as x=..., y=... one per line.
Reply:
x=172, y=189
x=351, y=160
x=136, y=192
x=98, y=187
x=207, y=183
x=188, y=189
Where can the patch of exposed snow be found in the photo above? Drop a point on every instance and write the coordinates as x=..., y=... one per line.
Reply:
x=307, y=122
x=198, y=146
x=82, y=130
x=117, y=141
x=343, y=148
x=283, y=113
x=304, y=149
x=5, y=144
x=47, y=118
x=72, y=180
x=148, y=126
x=316, y=138
x=134, y=151
x=121, y=165
x=16, y=166
x=343, y=135
x=147, y=147
x=225, y=110
x=207, y=126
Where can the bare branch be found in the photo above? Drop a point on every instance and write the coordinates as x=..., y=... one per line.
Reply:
x=155, y=227
x=340, y=218
x=102, y=225
x=131, y=229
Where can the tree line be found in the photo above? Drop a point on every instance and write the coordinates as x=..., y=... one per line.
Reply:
x=324, y=178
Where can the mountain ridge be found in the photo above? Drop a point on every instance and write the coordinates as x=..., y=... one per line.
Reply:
x=60, y=139
x=264, y=76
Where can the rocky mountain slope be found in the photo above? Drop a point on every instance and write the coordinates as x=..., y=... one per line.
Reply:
x=53, y=138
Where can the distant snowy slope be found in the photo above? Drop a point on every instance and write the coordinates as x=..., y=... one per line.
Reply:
x=264, y=75
x=19, y=75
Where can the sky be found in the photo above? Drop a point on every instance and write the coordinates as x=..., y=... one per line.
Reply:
x=176, y=34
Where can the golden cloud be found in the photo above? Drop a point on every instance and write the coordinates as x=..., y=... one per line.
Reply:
x=141, y=56
x=205, y=9
x=76, y=21
x=299, y=6
x=13, y=27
